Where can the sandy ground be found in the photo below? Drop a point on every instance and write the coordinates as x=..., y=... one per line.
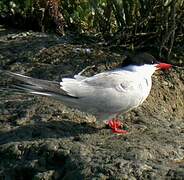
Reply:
x=40, y=138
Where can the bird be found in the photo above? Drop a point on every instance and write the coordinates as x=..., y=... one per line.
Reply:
x=104, y=95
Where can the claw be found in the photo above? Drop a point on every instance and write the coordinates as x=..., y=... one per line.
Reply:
x=115, y=125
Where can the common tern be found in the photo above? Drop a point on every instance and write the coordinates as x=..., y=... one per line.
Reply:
x=104, y=95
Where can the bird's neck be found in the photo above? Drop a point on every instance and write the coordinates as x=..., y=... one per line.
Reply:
x=144, y=70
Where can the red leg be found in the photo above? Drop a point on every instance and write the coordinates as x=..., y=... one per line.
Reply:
x=115, y=125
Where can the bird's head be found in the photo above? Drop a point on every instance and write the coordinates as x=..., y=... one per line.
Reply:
x=144, y=63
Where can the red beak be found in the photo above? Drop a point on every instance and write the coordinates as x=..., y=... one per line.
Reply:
x=163, y=66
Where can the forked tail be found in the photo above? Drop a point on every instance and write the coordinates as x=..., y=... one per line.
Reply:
x=36, y=86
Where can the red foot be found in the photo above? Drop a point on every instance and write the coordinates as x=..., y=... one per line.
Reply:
x=119, y=131
x=115, y=125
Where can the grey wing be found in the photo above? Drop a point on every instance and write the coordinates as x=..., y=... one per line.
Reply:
x=77, y=87
x=99, y=93
x=115, y=91
x=119, y=80
x=44, y=87
x=100, y=87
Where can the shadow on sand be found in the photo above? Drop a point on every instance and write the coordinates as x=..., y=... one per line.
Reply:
x=44, y=130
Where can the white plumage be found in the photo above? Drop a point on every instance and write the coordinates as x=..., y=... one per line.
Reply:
x=103, y=95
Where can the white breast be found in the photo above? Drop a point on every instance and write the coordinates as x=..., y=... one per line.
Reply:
x=145, y=87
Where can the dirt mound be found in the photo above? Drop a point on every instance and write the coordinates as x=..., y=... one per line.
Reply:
x=42, y=139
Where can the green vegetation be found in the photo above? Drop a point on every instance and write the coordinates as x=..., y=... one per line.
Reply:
x=131, y=21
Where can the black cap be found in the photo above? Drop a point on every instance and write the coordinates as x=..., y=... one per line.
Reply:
x=139, y=59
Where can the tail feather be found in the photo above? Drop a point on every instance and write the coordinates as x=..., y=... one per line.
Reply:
x=37, y=86
x=29, y=89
